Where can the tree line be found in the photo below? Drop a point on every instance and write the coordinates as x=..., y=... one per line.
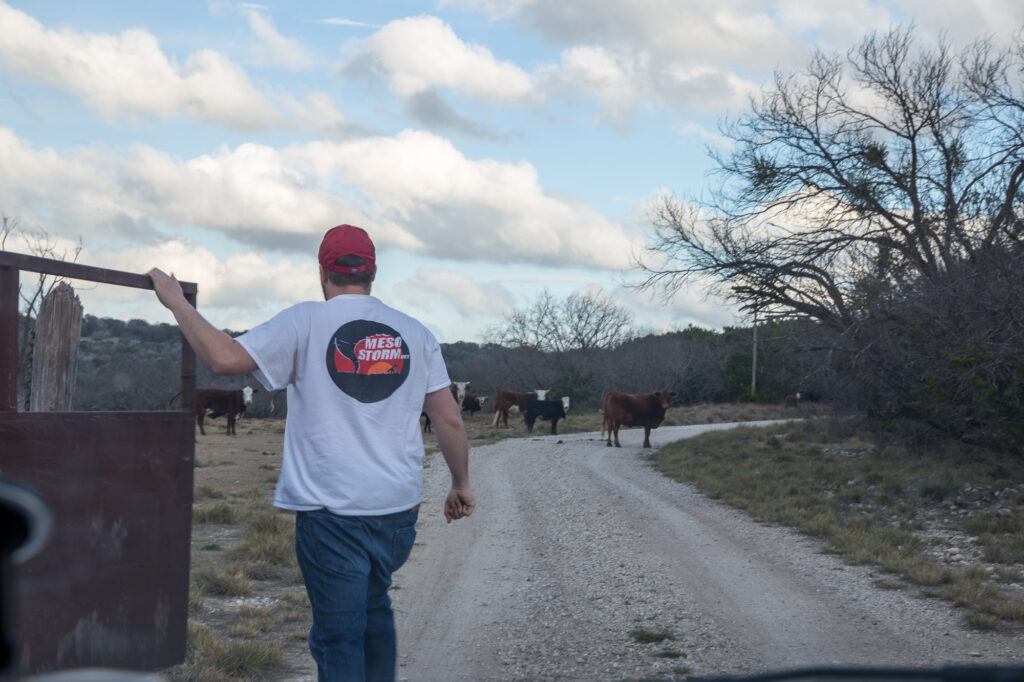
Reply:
x=135, y=365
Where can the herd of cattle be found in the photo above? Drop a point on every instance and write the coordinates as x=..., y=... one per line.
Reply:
x=618, y=409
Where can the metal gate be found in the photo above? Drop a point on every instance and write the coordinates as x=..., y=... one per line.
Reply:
x=110, y=588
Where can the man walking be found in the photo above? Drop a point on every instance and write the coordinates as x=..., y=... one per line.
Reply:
x=358, y=373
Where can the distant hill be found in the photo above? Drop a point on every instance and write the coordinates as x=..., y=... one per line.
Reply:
x=135, y=365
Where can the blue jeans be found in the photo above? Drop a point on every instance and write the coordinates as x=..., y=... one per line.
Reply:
x=346, y=563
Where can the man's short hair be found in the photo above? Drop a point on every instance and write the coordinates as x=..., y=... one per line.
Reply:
x=349, y=261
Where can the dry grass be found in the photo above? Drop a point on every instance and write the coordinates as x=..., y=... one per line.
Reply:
x=879, y=505
x=223, y=583
x=246, y=614
x=211, y=658
x=221, y=512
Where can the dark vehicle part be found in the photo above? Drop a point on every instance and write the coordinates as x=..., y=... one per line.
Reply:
x=26, y=523
x=987, y=673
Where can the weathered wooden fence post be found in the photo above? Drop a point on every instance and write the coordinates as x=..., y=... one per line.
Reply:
x=55, y=358
x=9, y=277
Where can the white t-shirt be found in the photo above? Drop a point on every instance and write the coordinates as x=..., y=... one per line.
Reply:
x=356, y=372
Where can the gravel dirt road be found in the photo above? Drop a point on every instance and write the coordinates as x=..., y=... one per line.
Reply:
x=574, y=546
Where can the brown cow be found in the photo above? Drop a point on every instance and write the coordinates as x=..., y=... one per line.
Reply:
x=628, y=409
x=508, y=401
x=793, y=400
x=222, y=401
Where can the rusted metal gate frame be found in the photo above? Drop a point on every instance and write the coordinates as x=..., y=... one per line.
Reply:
x=138, y=504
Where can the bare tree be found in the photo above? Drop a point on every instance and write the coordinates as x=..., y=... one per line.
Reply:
x=582, y=321
x=854, y=179
x=880, y=195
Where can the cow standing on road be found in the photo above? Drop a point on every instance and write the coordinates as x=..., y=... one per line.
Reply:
x=510, y=401
x=548, y=410
x=628, y=409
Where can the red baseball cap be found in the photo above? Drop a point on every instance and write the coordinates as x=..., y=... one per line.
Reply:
x=347, y=240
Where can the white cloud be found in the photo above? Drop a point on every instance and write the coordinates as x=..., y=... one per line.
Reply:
x=249, y=192
x=274, y=46
x=423, y=53
x=127, y=75
x=707, y=54
x=470, y=210
x=337, y=21
x=655, y=52
x=236, y=293
x=318, y=114
x=414, y=191
x=834, y=21
x=720, y=32
x=68, y=196
x=750, y=34
x=960, y=21
x=468, y=297
x=615, y=79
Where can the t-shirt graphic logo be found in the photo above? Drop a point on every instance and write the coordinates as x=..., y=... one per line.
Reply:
x=367, y=360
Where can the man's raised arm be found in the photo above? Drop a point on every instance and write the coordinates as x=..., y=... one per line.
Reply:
x=222, y=353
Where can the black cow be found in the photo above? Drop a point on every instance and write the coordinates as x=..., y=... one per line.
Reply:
x=552, y=410
x=513, y=401
x=221, y=401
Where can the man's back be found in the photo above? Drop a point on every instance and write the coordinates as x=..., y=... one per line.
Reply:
x=356, y=372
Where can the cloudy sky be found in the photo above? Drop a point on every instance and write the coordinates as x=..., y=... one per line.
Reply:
x=492, y=148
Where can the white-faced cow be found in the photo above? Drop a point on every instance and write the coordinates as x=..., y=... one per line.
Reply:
x=473, y=403
x=793, y=400
x=511, y=401
x=459, y=389
x=628, y=409
x=214, y=402
x=548, y=410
